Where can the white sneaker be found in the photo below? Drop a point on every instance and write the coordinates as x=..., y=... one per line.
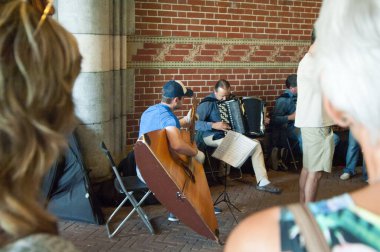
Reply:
x=345, y=176
x=172, y=218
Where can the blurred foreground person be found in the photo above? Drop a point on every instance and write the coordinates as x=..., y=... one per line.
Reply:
x=348, y=53
x=39, y=61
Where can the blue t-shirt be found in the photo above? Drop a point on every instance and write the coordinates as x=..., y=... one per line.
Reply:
x=157, y=117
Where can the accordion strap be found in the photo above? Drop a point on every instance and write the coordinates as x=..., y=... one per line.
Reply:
x=208, y=99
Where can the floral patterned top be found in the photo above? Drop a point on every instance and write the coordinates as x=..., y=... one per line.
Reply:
x=345, y=226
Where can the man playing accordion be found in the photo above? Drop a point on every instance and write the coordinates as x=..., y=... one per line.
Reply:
x=212, y=128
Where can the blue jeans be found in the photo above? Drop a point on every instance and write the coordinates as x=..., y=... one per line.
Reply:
x=352, y=157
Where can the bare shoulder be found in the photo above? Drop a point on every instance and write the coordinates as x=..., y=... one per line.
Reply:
x=258, y=232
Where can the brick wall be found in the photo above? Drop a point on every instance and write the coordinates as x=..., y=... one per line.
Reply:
x=254, y=44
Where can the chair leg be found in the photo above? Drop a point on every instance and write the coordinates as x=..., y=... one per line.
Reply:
x=211, y=167
x=112, y=233
x=292, y=155
x=136, y=207
x=144, y=217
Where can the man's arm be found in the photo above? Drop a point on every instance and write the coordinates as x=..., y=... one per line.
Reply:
x=203, y=123
x=280, y=113
x=203, y=112
x=178, y=144
x=292, y=117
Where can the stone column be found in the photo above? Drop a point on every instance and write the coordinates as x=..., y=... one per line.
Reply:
x=101, y=91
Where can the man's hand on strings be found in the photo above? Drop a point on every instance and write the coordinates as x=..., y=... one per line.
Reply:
x=188, y=116
x=200, y=157
x=186, y=120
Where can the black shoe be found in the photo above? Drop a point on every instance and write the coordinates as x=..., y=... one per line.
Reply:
x=284, y=154
x=269, y=188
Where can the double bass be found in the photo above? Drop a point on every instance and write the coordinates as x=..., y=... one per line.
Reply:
x=178, y=182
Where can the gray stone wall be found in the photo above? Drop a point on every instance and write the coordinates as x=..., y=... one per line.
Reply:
x=101, y=90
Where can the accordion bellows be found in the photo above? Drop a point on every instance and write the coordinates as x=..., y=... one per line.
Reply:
x=231, y=113
x=245, y=116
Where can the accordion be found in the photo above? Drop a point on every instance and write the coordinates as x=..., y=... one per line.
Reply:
x=245, y=115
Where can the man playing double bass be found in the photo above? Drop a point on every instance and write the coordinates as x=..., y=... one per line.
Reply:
x=161, y=116
x=211, y=128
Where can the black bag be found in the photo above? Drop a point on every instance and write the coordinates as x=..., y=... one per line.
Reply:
x=127, y=166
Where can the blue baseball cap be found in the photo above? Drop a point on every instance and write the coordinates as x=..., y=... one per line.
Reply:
x=174, y=88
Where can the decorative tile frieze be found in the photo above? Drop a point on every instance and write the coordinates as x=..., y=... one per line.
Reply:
x=275, y=53
x=300, y=53
x=194, y=52
x=220, y=65
x=222, y=53
x=249, y=53
x=161, y=55
x=222, y=41
x=187, y=52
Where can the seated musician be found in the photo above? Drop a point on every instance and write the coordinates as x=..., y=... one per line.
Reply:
x=345, y=62
x=282, y=120
x=211, y=127
x=161, y=116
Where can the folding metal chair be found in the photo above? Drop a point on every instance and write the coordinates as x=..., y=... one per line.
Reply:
x=127, y=185
x=291, y=148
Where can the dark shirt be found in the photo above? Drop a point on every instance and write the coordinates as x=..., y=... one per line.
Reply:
x=285, y=106
x=208, y=113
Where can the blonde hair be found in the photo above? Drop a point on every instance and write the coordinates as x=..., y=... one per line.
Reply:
x=40, y=6
x=37, y=72
x=348, y=50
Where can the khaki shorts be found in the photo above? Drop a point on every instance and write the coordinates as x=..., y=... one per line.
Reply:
x=318, y=148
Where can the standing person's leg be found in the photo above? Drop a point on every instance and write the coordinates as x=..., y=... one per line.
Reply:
x=311, y=186
x=352, y=157
x=318, y=150
x=302, y=183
